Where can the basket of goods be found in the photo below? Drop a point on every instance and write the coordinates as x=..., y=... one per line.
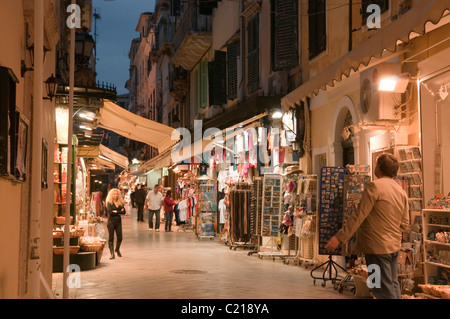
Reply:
x=76, y=232
x=58, y=234
x=61, y=220
x=59, y=250
x=93, y=244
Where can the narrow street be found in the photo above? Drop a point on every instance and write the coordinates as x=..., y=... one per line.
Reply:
x=177, y=265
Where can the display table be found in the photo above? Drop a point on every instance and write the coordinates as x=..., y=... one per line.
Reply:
x=85, y=260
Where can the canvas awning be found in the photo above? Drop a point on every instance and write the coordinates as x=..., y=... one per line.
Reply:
x=103, y=153
x=407, y=25
x=115, y=118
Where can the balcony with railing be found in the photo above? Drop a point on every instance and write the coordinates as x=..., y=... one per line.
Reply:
x=192, y=38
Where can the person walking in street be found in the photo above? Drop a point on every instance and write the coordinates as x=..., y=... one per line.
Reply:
x=139, y=198
x=382, y=216
x=115, y=206
x=169, y=202
x=154, y=201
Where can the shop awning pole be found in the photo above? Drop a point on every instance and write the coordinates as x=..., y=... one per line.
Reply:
x=69, y=163
x=34, y=260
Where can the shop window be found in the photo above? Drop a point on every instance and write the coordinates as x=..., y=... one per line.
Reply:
x=317, y=27
x=284, y=34
x=253, y=54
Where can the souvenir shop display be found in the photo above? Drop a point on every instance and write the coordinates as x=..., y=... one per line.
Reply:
x=187, y=209
x=410, y=178
x=356, y=178
x=272, y=206
x=330, y=218
x=207, y=209
x=242, y=216
x=305, y=216
x=331, y=205
x=436, y=241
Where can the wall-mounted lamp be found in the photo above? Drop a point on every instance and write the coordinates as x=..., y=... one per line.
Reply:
x=51, y=85
x=276, y=114
x=394, y=83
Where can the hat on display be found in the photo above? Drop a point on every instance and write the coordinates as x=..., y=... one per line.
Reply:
x=292, y=169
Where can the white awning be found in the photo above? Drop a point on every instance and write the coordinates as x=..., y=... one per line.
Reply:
x=401, y=30
x=103, y=153
x=115, y=118
x=115, y=157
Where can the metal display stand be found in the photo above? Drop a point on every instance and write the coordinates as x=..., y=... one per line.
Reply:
x=331, y=206
x=271, y=216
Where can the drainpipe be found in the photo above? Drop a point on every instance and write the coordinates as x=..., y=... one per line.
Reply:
x=66, y=257
x=350, y=25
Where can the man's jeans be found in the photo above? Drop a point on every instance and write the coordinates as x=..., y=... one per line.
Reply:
x=389, y=288
x=150, y=218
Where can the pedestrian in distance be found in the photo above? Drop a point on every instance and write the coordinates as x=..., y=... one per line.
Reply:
x=139, y=198
x=115, y=207
x=153, y=202
x=169, y=203
x=381, y=218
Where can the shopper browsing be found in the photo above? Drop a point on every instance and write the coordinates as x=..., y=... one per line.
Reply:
x=115, y=207
x=139, y=198
x=154, y=201
x=381, y=218
x=169, y=202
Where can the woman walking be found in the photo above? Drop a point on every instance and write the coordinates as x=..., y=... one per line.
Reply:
x=169, y=202
x=115, y=207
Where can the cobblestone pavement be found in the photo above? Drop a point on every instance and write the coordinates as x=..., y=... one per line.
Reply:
x=177, y=265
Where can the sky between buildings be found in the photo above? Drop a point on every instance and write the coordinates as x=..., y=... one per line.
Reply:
x=115, y=30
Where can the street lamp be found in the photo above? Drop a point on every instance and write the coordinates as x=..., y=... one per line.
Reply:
x=51, y=85
x=84, y=45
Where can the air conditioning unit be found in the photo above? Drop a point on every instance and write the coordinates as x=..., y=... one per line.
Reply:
x=378, y=105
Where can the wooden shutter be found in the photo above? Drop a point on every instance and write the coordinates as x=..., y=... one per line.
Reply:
x=317, y=27
x=218, y=79
x=8, y=121
x=253, y=54
x=175, y=8
x=197, y=92
x=206, y=7
x=232, y=55
x=203, y=83
x=285, y=34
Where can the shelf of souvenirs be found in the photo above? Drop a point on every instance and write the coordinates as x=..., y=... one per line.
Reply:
x=434, y=242
x=437, y=264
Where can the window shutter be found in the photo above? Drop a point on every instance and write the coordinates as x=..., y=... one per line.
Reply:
x=253, y=54
x=203, y=84
x=232, y=53
x=175, y=8
x=285, y=34
x=197, y=93
x=8, y=121
x=206, y=7
x=317, y=27
x=218, y=79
